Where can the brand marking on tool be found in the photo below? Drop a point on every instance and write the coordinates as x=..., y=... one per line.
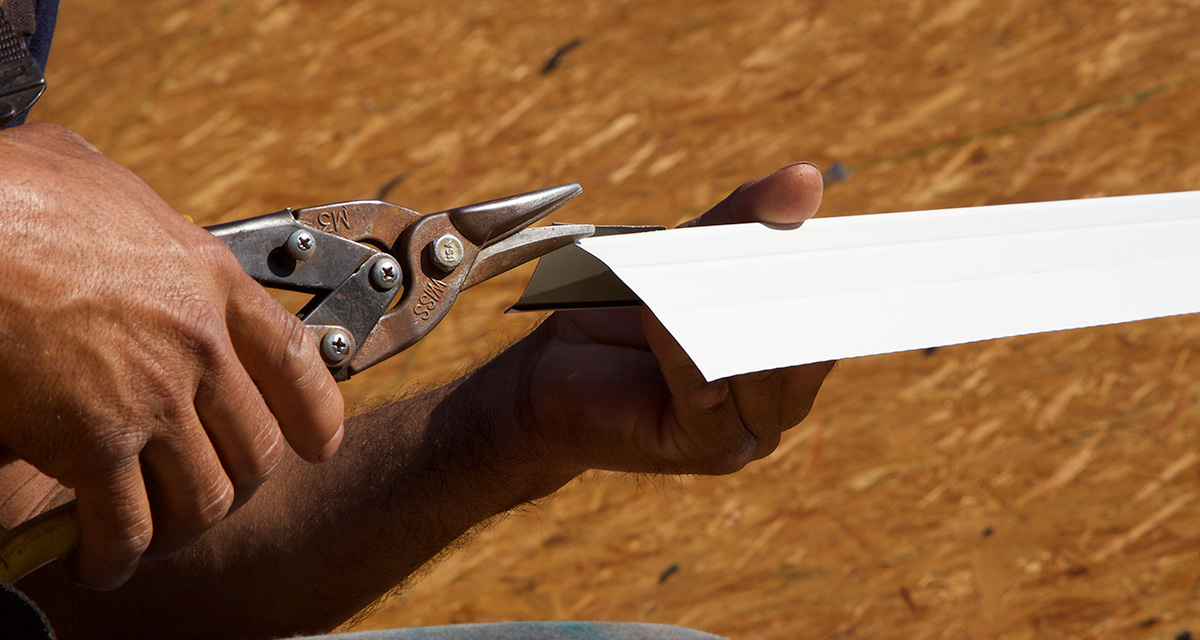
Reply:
x=428, y=301
x=331, y=220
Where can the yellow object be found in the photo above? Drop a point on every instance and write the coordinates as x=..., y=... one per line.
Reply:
x=38, y=541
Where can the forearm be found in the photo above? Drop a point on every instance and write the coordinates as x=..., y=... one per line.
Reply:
x=318, y=543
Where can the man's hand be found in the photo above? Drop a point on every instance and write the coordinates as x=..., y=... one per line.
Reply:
x=142, y=367
x=596, y=389
x=611, y=389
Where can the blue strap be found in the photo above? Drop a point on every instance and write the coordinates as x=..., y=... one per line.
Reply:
x=47, y=16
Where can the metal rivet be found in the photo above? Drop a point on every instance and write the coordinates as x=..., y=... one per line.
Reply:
x=385, y=273
x=336, y=346
x=301, y=244
x=447, y=252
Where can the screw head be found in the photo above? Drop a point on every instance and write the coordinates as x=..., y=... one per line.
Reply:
x=447, y=252
x=336, y=346
x=301, y=244
x=385, y=273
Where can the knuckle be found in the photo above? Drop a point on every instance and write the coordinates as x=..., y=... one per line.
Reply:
x=95, y=451
x=730, y=461
x=158, y=398
x=212, y=503
x=710, y=398
x=746, y=443
x=799, y=414
x=766, y=441
x=727, y=452
x=257, y=468
x=214, y=253
x=296, y=356
x=128, y=544
x=199, y=325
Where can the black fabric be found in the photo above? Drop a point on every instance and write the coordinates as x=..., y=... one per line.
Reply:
x=20, y=619
x=20, y=15
x=46, y=14
x=12, y=40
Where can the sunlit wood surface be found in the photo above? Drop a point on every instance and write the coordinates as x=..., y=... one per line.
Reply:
x=1034, y=487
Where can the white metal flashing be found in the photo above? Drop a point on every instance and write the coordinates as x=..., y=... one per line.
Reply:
x=744, y=298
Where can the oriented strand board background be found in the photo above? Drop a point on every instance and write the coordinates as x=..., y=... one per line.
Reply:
x=1042, y=486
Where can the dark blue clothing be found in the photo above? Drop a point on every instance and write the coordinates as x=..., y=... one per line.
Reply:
x=20, y=619
x=39, y=44
x=532, y=631
x=47, y=15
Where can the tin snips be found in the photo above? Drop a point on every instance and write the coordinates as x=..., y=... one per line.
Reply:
x=382, y=276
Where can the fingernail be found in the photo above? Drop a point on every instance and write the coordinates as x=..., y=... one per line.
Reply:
x=802, y=162
x=331, y=447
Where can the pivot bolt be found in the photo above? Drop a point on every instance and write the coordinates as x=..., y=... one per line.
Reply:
x=385, y=273
x=336, y=346
x=447, y=252
x=301, y=245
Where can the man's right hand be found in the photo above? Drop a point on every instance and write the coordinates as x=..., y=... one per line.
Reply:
x=141, y=366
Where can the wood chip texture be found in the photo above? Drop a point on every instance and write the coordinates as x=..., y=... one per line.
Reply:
x=1033, y=487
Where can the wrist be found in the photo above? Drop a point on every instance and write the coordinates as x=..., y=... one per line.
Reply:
x=493, y=404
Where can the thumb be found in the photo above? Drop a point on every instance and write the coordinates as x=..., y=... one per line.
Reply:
x=785, y=198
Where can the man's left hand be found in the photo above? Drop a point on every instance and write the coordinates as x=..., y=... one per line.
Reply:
x=611, y=389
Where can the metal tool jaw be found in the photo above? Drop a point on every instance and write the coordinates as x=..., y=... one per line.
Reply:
x=382, y=276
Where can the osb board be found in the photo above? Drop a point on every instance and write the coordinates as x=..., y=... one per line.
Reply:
x=1042, y=486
